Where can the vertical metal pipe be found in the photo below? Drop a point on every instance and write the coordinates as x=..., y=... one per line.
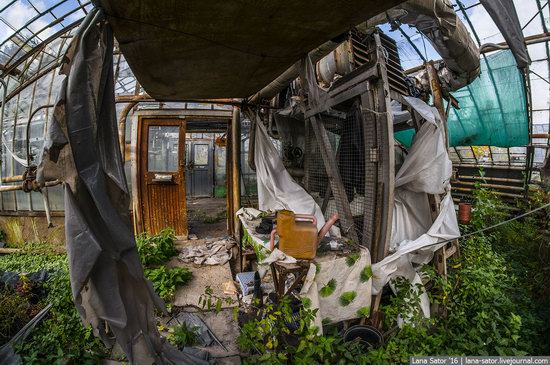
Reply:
x=437, y=94
x=4, y=92
x=46, y=199
x=122, y=128
x=236, y=166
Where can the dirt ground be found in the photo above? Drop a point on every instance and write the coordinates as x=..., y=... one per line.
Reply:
x=207, y=217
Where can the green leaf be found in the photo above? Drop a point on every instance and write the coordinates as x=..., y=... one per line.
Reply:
x=306, y=302
x=363, y=312
x=366, y=274
x=347, y=297
x=352, y=259
x=328, y=289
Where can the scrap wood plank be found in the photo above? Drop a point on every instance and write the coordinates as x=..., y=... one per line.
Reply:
x=336, y=184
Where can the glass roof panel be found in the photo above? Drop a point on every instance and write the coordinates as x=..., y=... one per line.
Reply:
x=34, y=34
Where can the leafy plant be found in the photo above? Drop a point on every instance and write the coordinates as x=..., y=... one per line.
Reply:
x=60, y=338
x=270, y=340
x=212, y=302
x=183, y=335
x=13, y=314
x=490, y=303
x=328, y=289
x=166, y=280
x=156, y=249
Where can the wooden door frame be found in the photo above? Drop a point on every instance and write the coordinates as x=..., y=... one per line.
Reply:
x=141, y=154
x=139, y=226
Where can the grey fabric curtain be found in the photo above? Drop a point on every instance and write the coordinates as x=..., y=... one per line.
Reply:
x=82, y=149
x=505, y=17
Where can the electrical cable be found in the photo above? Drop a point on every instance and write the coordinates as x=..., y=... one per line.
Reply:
x=490, y=227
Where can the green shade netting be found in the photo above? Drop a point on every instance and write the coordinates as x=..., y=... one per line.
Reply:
x=493, y=109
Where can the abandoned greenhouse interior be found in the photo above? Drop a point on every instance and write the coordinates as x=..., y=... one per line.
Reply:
x=307, y=182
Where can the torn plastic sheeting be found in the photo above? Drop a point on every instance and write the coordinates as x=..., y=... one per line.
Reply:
x=277, y=190
x=427, y=167
x=82, y=150
x=420, y=175
x=426, y=170
x=503, y=13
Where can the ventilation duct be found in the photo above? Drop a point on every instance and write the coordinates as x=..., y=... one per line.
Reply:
x=437, y=20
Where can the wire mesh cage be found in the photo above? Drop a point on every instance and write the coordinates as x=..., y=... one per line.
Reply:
x=348, y=148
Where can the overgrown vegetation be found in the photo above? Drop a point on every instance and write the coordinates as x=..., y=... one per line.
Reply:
x=61, y=338
x=154, y=252
x=495, y=301
x=183, y=335
x=156, y=249
x=280, y=334
x=166, y=280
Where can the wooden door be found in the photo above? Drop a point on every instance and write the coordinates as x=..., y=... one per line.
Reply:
x=162, y=175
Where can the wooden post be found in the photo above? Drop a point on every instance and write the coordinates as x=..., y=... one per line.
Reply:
x=441, y=255
x=380, y=153
x=236, y=167
x=380, y=157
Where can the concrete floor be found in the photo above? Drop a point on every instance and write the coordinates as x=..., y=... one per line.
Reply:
x=220, y=279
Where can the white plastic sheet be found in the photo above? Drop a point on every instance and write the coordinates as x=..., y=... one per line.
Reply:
x=427, y=170
x=346, y=279
x=276, y=188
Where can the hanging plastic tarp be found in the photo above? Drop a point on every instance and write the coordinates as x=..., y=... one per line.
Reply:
x=276, y=188
x=493, y=109
x=82, y=150
x=415, y=236
x=506, y=19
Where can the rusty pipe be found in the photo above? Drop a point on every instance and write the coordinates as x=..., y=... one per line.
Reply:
x=277, y=85
x=488, y=178
x=28, y=131
x=4, y=92
x=492, y=186
x=10, y=179
x=507, y=195
x=122, y=127
x=46, y=200
x=236, y=166
x=20, y=187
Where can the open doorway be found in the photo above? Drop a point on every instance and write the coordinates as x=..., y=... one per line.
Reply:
x=206, y=179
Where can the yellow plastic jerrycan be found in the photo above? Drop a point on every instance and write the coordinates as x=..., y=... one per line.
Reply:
x=298, y=235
